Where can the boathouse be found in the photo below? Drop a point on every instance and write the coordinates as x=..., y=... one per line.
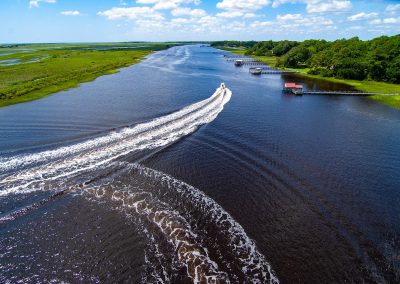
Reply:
x=293, y=88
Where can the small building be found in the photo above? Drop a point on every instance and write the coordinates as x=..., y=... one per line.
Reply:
x=293, y=88
x=239, y=62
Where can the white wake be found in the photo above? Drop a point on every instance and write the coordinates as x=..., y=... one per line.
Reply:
x=26, y=173
x=168, y=206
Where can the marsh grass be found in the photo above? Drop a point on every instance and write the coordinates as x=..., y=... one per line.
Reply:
x=61, y=67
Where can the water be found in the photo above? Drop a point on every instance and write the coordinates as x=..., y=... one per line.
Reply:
x=151, y=175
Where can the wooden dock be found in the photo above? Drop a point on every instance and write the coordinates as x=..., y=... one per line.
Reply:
x=250, y=62
x=243, y=59
x=270, y=70
x=234, y=56
x=342, y=93
x=254, y=63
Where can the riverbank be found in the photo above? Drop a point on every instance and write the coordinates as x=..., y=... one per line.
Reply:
x=365, y=86
x=62, y=67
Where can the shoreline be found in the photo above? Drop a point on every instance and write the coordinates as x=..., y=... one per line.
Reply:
x=365, y=86
x=52, y=90
x=62, y=70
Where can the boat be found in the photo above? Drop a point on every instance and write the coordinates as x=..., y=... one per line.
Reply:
x=239, y=62
x=255, y=71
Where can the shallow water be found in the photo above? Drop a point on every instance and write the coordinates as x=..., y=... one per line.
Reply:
x=146, y=176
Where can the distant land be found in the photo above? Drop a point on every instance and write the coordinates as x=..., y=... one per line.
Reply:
x=370, y=66
x=32, y=71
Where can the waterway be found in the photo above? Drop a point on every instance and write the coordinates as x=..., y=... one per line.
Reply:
x=151, y=175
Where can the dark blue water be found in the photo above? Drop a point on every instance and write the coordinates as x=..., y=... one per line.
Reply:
x=263, y=187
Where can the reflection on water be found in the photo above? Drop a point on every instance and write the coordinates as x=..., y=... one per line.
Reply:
x=168, y=183
x=317, y=84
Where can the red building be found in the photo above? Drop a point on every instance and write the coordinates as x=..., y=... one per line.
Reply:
x=293, y=88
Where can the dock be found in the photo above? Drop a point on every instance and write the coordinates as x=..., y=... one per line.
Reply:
x=343, y=93
x=298, y=90
x=270, y=70
x=248, y=62
x=234, y=56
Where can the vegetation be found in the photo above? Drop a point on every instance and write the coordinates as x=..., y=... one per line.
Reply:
x=40, y=70
x=370, y=66
x=354, y=59
x=235, y=44
x=235, y=50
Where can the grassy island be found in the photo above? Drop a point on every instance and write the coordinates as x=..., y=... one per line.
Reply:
x=33, y=71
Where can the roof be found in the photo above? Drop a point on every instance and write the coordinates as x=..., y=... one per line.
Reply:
x=290, y=85
x=293, y=86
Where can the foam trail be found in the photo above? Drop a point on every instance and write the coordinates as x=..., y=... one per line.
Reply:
x=167, y=206
x=26, y=173
x=172, y=207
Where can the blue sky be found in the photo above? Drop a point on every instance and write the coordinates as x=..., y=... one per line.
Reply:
x=168, y=20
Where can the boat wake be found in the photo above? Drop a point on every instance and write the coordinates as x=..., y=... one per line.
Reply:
x=185, y=230
x=188, y=228
x=32, y=172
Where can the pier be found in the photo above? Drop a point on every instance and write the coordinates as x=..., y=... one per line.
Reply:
x=242, y=59
x=344, y=93
x=255, y=63
x=248, y=62
x=234, y=56
x=270, y=70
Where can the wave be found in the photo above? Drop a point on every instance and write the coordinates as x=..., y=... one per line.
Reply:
x=185, y=229
x=27, y=173
x=217, y=251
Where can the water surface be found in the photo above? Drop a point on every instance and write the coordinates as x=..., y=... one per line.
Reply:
x=161, y=180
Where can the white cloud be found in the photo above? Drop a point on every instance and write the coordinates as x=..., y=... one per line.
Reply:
x=319, y=6
x=230, y=14
x=391, y=21
x=393, y=9
x=277, y=3
x=355, y=28
x=330, y=6
x=181, y=21
x=387, y=21
x=376, y=22
x=362, y=16
x=188, y=12
x=293, y=21
x=290, y=17
x=298, y=24
x=261, y=24
x=242, y=5
x=70, y=13
x=131, y=13
x=167, y=4
x=35, y=3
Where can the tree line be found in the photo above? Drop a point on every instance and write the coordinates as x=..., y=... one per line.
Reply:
x=377, y=59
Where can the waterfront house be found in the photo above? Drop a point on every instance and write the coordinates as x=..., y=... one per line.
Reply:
x=293, y=88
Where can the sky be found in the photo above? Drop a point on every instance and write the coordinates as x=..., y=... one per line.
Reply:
x=29, y=21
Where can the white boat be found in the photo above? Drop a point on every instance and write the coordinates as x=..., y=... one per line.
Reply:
x=255, y=71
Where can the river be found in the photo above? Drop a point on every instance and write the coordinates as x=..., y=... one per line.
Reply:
x=153, y=175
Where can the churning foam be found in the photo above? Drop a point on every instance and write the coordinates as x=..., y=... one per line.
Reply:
x=172, y=206
x=26, y=173
x=167, y=205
